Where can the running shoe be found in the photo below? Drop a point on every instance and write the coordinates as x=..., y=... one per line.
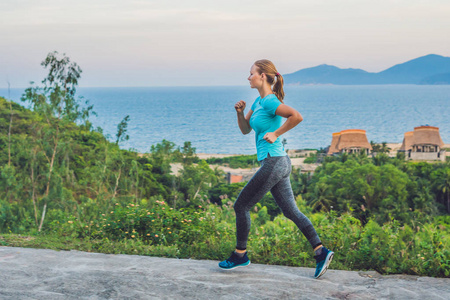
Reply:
x=235, y=261
x=322, y=261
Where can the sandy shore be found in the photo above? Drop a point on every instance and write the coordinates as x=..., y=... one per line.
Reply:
x=210, y=155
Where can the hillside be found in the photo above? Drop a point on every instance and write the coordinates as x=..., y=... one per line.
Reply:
x=429, y=69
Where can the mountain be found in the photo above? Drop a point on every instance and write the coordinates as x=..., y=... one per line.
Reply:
x=429, y=69
x=327, y=74
x=437, y=79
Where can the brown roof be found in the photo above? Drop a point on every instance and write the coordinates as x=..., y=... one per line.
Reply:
x=427, y=135
x=407, y=141
x=334, y=142
x=353, y=138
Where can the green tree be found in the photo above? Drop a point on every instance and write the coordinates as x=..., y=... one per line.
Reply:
x=300, y=181
x=188, y=154
x=321, y=197
x=441, y=179
x=56, y=101
x=380, y=159
x=122, y=128
x=380, y=148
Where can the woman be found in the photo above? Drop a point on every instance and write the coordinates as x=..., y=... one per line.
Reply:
x=265, y=117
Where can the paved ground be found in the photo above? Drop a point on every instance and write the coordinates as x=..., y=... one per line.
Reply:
x=46, y=274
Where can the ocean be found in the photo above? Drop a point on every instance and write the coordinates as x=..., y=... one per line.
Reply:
x=205, y=116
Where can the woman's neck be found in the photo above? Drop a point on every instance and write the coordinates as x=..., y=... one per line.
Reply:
x=265, y=90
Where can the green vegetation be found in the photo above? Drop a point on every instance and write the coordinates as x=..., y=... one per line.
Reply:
x=379, y=188
x=380, y=148
x=207, y=232
x=63, y=185
x=238, y=161
x=49, y=164
x=311, y=159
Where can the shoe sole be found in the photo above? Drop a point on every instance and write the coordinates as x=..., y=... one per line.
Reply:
x=328, y=260
x=237, y=266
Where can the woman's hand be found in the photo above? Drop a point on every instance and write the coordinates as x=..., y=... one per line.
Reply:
x=240, y=106
x=270, y=137
x=243, y=121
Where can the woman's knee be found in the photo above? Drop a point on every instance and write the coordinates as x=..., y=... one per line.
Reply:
x=292, y=213
x=237, y=206
x=289, y=214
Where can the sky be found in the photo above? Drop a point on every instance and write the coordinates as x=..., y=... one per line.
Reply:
x=213, y=43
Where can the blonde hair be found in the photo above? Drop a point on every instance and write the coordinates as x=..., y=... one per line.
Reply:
x=267, y=67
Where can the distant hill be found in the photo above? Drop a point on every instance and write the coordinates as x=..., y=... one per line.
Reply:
x=437, y=79
x=429, y=69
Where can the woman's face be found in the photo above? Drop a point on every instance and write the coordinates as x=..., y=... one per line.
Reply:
x=255, y=78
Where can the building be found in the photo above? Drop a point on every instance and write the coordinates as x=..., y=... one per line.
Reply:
x=240, y=176
x=334, y=141
x=424, y=143
x=349, y=141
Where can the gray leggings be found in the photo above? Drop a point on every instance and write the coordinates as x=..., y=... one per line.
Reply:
x=273, y=176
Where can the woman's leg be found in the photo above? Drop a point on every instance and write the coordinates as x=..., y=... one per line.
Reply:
x=270, y=173
x=282, y=192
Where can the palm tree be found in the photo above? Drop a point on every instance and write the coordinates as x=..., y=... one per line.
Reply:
x=303, y=182
x=321, y=197
x=376, y=148
x=380, y=148
x=385, y=148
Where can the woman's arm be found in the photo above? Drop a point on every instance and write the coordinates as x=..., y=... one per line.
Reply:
x=243, y=121
x=293, y=118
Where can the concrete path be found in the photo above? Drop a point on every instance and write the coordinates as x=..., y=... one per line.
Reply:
x=46, y=274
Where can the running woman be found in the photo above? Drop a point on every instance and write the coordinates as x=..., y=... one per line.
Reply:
x=265, y=117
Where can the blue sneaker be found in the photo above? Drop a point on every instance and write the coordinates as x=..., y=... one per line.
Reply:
x=322, y=261
x=235, y=261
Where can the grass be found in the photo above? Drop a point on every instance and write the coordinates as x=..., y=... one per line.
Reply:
x=106, y=246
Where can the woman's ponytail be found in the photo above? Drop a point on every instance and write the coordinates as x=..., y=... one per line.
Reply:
x=278, y=87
